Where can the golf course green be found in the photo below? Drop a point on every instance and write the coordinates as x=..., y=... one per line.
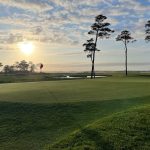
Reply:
x=111, y=113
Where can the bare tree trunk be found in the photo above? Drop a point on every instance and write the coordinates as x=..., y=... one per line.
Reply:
x=92, y=68
x=93, y=59
x=126, y=58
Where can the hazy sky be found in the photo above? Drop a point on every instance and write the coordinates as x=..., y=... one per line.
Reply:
x=58, y=28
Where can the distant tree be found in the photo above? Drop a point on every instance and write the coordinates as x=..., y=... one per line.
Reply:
x=147, y=31
x=101, y=30
x=6, y=69
x=1, y=64
x=22, y=66
x=126, y=38
x=32, y=67
x=9, y=69
x=17, y=66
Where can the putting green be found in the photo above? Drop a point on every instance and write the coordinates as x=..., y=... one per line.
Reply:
x=75, y=90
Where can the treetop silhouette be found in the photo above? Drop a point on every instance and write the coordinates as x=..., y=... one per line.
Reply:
x=147, y=31
x=126, y=38
x=101, y=30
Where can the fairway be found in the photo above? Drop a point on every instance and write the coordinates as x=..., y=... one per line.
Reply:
x=35, y=115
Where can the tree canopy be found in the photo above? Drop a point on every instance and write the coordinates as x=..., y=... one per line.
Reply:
x=101, y=30
x=20, y=67
x=125, y=37
x=147, y=31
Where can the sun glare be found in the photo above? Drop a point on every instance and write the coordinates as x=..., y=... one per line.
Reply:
x=26, y=47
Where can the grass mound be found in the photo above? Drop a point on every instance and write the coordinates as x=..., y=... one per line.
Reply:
x=26, y=126
x=127, y=130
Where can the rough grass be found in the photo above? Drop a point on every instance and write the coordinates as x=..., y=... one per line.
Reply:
x=30, y=77
x=128, y=130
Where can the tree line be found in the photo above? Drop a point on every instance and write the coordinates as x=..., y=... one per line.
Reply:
x=21, y=67
x=100, y=29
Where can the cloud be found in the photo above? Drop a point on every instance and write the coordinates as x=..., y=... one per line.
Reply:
x=66, y=54
x=59, y=38
x=32, y=5
x=70, y=20
x=11, y=38
x=24, y=22
x=37, y=30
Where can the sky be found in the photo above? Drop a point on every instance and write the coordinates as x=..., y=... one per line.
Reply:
x=58, y=28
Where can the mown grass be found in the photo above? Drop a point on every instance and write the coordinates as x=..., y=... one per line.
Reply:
x=128, y=130
x=32, y=126
x=34, y=115
x=75, y=90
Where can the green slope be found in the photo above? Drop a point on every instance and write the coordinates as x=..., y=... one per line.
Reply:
x=26, y=126
x=128, y=130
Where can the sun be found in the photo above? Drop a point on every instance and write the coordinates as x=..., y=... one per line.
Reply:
x=26, y=47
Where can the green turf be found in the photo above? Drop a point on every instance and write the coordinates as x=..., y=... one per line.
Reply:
x=34, y=115
x=128, y=130
x=75, y=90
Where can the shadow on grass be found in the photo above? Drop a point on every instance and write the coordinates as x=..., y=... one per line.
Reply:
x=95, y=137
x=24, y=125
